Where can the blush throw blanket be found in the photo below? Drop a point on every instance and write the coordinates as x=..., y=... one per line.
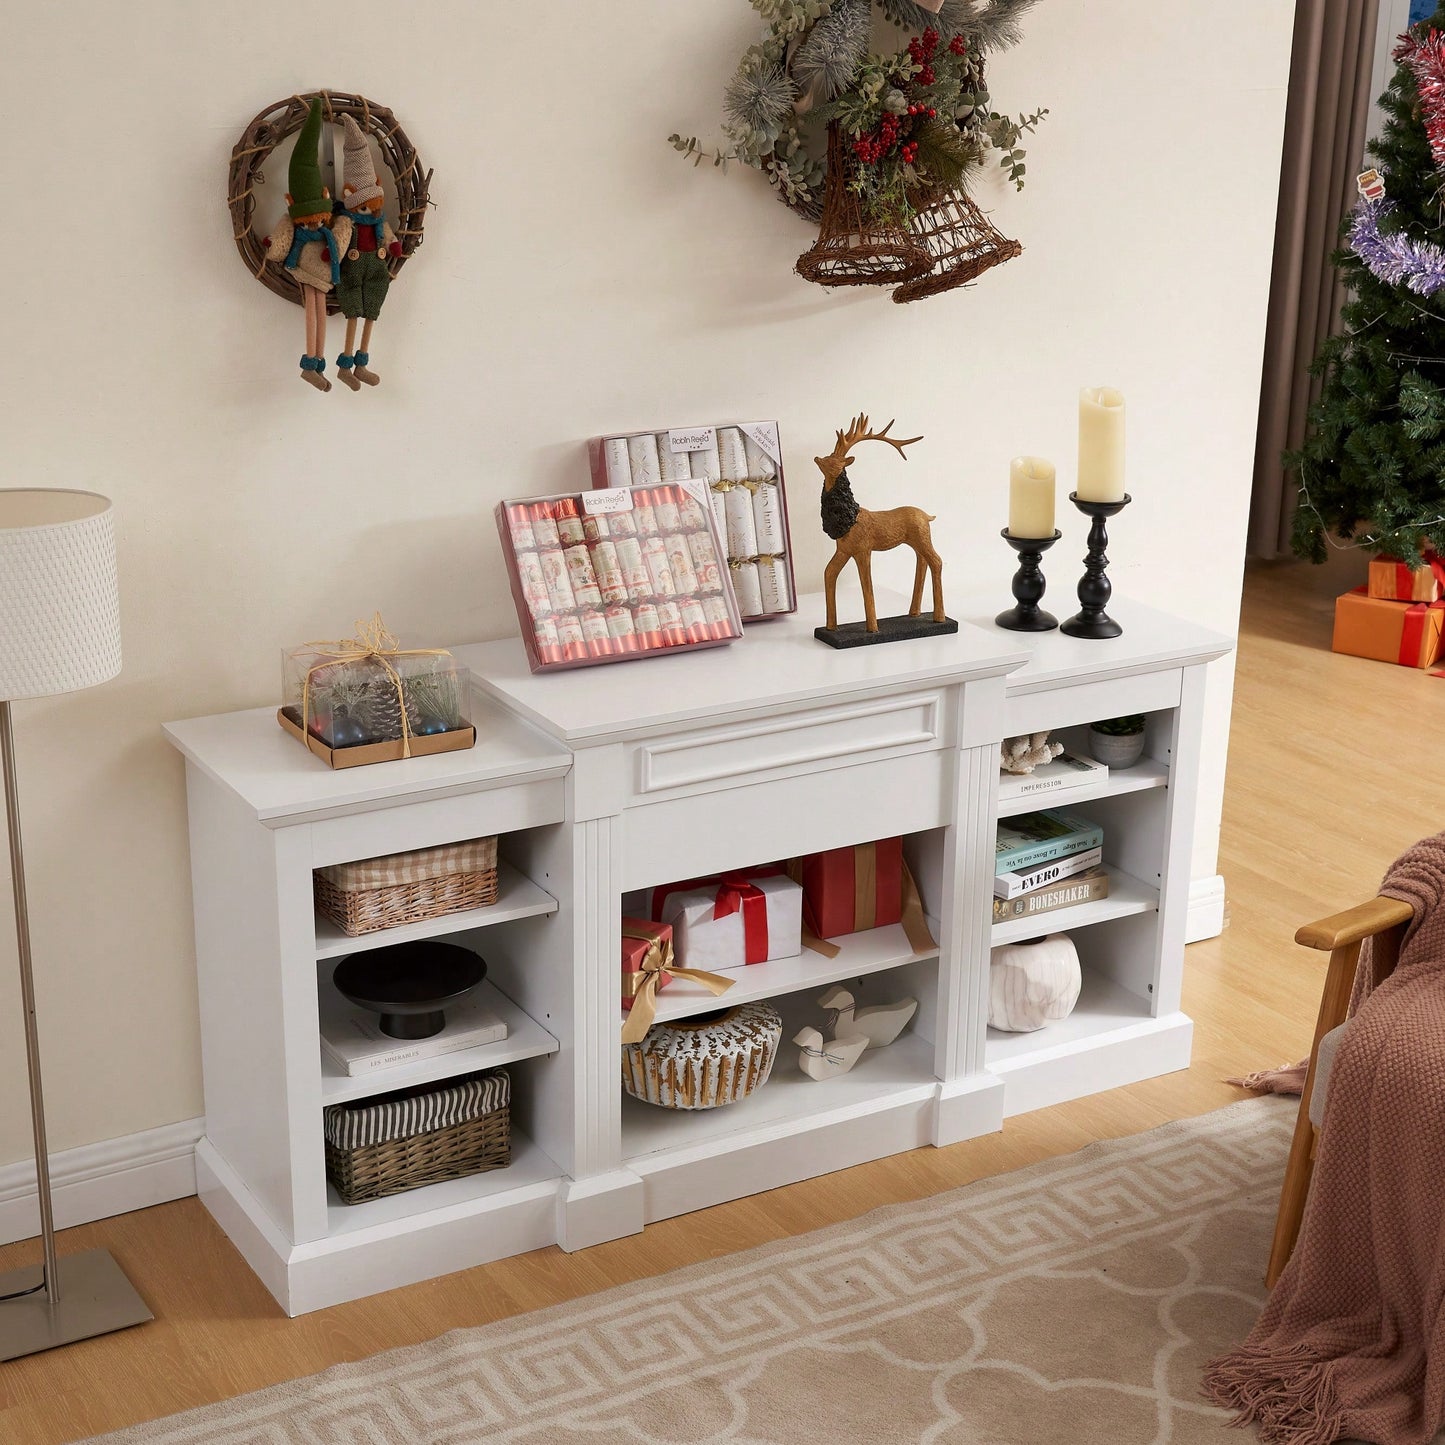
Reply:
x=1352, y=1341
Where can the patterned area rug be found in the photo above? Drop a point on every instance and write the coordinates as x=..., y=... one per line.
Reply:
x=1074, y=1301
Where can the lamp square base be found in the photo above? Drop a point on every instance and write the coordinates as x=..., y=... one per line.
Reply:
x=890, y=629
x=95, y=1299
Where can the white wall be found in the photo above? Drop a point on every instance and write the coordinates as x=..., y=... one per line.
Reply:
x=576, y=276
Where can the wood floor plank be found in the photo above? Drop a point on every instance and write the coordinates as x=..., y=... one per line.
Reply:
x=1328, y=781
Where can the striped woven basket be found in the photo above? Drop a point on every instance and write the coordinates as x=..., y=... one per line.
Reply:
x=376, y=893
x=419, y=1136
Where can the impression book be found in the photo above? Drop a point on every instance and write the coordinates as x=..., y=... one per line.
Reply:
x=352, y=1039
x=1042, y=837
x=1063, y=772
x=1085, y=887
x=1040, y=875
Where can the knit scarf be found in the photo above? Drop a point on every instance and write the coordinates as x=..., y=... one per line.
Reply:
x=306, y=234
x=365, y=218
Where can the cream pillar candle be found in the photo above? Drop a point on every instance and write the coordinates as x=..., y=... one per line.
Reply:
x=1101, y=445
x=1031, y=497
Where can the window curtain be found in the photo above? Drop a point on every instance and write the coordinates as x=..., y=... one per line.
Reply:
x=1326, y=119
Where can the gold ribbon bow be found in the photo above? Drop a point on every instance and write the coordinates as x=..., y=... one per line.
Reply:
x=648, y=979
x=372, y=641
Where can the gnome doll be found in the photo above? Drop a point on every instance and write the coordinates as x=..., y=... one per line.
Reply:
x=364, y=277
x=310, y=242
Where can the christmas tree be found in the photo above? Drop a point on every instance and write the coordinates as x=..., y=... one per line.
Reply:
x=1372, y=468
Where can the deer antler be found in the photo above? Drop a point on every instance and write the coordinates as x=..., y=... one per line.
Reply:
x=858, y=432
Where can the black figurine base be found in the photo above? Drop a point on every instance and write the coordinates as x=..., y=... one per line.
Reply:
x=890, y=629
x=1091, y=620
x=1028, y=585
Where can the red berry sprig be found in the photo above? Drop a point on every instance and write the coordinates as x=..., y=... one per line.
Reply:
x=956, y=46
x=920, y=52
x=870, y=149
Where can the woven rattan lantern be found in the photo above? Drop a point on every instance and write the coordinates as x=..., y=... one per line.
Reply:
x=851, y=250
x=961, y=244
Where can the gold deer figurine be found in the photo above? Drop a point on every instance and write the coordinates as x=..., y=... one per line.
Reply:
x=859, y=533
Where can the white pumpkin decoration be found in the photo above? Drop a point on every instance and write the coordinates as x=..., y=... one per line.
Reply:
x=1032, y=984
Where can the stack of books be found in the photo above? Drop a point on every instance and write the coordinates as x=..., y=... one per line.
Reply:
x=1044, y=861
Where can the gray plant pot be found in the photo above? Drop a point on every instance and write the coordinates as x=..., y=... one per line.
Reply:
x=1116, y=750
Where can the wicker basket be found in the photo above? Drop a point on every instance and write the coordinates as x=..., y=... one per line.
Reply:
x=377, y=893
x=419, y=1136
x=960, y=241
x=852, y=250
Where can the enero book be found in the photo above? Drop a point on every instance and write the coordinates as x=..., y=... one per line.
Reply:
x=352, y=1038
x=1025, y=880
x=1041, y=837
x=1083, y=888
x=1065, y=771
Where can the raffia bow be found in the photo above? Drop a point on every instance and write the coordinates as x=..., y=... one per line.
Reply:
x=655, y=963
x=374, y=642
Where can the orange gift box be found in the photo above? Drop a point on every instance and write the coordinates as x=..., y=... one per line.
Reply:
x=1391, y=579
x=1407, y=633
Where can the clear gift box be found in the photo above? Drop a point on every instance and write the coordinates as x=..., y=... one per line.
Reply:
x=366, y=699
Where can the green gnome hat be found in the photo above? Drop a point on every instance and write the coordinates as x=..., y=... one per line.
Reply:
x=309, y=196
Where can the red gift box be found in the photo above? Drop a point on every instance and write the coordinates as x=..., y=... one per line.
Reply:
x=850, y=890
x=646, y=949
x=647, y=967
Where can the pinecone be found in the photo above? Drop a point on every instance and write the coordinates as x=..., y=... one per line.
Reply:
x=381, y=711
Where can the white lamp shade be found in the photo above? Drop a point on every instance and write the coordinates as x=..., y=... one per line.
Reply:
x=59, y=599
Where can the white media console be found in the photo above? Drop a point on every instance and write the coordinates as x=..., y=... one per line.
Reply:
x=607, y=779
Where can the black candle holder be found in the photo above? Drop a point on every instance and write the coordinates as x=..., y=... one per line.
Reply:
x=1028, y=585
x=1092, y=620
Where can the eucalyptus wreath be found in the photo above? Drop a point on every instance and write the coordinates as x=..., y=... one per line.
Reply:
x=916, y=121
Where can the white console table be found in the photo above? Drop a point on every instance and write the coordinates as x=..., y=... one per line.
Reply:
x=612, y=778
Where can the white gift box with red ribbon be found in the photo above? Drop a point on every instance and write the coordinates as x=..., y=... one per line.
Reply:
x=740, y=918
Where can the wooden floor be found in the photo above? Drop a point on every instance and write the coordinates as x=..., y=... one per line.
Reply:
x=1334, y=768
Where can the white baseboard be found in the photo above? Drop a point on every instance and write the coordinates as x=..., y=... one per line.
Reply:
x=1205, y=918
x=96, y=1181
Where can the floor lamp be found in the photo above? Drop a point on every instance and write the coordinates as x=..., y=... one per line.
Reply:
x=59, y=632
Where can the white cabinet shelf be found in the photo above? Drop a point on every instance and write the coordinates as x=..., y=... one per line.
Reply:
x=608, y=779
x=526, y=1039
x=1126, y=895
x=453, y=1200
x=860, y=954
x=517, y=897
x=1103, y=1008
x=790, y=1102
x=1146, y=773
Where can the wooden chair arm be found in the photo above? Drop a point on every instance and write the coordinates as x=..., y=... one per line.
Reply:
x=1362, y=921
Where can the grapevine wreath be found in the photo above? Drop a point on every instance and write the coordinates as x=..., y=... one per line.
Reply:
x=878, y=148
x=284, y=118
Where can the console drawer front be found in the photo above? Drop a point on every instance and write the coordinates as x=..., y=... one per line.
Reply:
x=692, y=837
x=791, y=743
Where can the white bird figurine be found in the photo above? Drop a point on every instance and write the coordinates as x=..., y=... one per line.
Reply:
x=879, y=1023
x=821, y=1058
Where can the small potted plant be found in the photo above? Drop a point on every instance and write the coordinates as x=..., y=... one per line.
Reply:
x=1118, y=742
